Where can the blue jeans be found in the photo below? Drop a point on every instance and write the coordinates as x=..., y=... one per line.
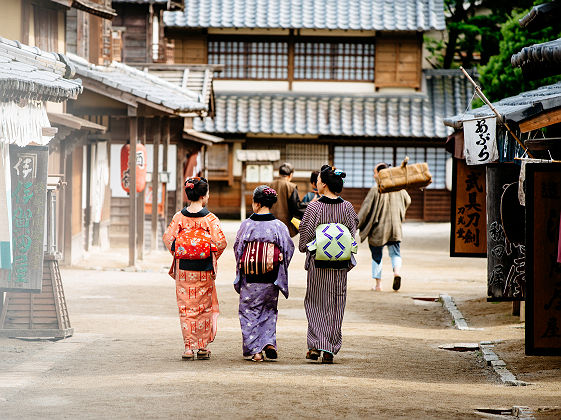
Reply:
x=393, y=250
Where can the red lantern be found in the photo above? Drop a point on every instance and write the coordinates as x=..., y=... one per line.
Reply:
x=140, y=167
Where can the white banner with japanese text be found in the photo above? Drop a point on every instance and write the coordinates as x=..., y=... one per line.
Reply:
x=480, y=144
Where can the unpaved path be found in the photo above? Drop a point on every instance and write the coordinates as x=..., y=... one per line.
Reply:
x=124, y=360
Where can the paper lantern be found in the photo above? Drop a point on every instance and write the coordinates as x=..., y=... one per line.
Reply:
x=140, y=167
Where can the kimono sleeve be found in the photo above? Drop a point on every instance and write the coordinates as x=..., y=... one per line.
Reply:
x=308, y=227
x=172, y=231
x=217, y=235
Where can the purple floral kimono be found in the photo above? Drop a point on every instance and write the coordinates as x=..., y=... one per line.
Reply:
x=258, y=301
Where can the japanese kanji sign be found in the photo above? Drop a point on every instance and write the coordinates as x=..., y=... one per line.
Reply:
x=543, y=272
x=506, y=245
x=28, y=171
x=468, y=235
x=480, y=145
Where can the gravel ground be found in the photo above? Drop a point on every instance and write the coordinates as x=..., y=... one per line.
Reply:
x=124, y=359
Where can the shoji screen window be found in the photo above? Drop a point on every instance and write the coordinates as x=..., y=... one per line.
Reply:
x=266, y=59
x=307, y=157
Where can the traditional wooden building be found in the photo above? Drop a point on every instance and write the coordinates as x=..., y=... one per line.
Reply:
x=323, y=82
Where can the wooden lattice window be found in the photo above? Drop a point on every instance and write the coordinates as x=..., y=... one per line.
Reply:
x=307, y=157
x=321, y=59
x=266, y=59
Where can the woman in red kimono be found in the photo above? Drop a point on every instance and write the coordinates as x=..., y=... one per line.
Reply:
x=194, y=278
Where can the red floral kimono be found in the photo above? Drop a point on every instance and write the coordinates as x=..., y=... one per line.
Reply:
x=195, y=289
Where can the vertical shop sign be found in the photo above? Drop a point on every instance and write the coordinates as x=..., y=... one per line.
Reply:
x=480, y=145
x=468, y=235
x=28, y=172
x=543, y=272
x=506, y=247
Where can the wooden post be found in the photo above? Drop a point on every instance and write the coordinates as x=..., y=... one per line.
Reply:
x=515, y=308
x=155, y=184
x=140, y=203
x=165, y=168
x=133, y=137
x=179, y=177
x=242, y=194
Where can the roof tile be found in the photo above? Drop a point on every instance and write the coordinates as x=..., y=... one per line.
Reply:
x=397, y=15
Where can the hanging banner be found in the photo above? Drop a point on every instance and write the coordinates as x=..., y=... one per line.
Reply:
x=480, y=144
x=28, y=172
x=543, y=271
x=506, y=245
x=468, y=235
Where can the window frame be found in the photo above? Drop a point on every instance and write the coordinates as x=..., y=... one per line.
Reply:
x=291, y=56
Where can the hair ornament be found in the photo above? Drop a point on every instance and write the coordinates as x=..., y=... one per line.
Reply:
x=189, y=185
x=269, y=191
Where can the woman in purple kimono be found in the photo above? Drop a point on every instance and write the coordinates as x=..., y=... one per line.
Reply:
x=262, y=244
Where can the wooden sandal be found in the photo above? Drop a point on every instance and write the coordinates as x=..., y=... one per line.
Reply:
x=271, y=352
x=203, y=354
x=327, y=358
x=188, y=355
x=313, y=354
x=254, y=359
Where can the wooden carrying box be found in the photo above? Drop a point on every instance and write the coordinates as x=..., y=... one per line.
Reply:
x=416, y=175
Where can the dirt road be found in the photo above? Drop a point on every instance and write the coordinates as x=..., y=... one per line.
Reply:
x=124, y=359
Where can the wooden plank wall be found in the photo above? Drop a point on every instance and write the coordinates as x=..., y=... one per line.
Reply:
x=135, y=37
x=192, y=50
x=398, y=62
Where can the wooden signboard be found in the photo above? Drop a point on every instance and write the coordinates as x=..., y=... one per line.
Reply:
x=506, y=248
x=543, y=271
x=468, y=237
x=28, y=170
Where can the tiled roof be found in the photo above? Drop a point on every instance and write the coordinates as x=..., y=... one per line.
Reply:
x=28, y=72
x=197, y=78
x=541, y=16
x=142, y=85
x=417, y=115
x=539, y=60
x=380, y=15
x=516, y=108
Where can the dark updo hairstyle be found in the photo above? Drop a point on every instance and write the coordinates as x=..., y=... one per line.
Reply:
x=195, y=188
x=314, y=178
x=333, y=178
x=265, y=195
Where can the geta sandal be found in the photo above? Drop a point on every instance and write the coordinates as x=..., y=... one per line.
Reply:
x=313, y=354
x=203, y=354
x=270, y=352
x=327, y=358
x=255, y=359
x=188, y=356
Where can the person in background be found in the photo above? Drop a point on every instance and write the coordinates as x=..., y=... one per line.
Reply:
x=288, y=204
x=312, y=195
x=380, y=219
x=326, y=291
x=195, y=239
x=263, y=250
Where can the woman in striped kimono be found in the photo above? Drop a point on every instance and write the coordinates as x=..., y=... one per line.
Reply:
x=326, y=291
x=259, y=293
x=194, y=278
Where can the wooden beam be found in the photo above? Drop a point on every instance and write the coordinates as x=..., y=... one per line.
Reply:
x=133, y=137
x=140, y=205
x=155, y=183
x=167, y=135
x=542, y=120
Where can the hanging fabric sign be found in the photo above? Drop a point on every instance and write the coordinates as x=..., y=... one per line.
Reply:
x=480, y=145
x=28, y=172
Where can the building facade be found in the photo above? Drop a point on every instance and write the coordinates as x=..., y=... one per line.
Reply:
x=322, y=82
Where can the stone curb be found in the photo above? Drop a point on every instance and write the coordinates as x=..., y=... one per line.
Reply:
x=449, y=304
x=499, y=366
